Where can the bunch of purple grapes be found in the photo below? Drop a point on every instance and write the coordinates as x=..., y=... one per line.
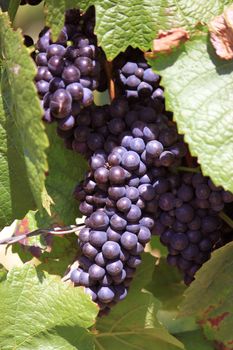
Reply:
x=134, y=78
x=119, y=196
x=136, y=185
x=69, y=70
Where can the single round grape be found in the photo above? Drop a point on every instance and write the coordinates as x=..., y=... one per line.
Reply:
x=117, y=175
x=67, y=123
x=98, y=238
x=95, y=141
x=124, y=204
x=134, y=261
x=195, y=224
x=134, y=214
x=132, y=193
x=132, y=82
x=144, y=235
x=114, y=159
x=55, y=50
x=85, y=280
x=120, y=292
x=119, y=107
x=96, y=272
x=116, y=192
x=89, y=250
x=106, y=281
x=60, y=104
x=75, y=90
x=42, y=87
x=98, y=220
x=86, y=208
x=190, y=252
x=111, y=250
x=84, y=65
x=96, y=162
x=129, y=68
x=105, y=294
x=166, y=236
x=117, y=222
x=185, y=192
x=166, y=158
x=147, y=192
x=101, y=175
x=41, y=59
x=154, y=148
x=88, y=98
x=202, y=191
x=167, y=201
x=75, y=276
x=147, y=221
x=205, y=245
x=210, y=224
x=129, y=240
x=100, y=260
x=114, y=268
x=92, y=292
x=185, y=213
x=113, y=235
x=150, y=132
x=150, y=77
x=179, y=241
x=130, y=160
x=183, y=264
x=56, y=65
x=116, y=126
x=144, y=89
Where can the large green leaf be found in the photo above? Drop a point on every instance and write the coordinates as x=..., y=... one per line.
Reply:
x=120, y=23
x=198, y=89
x=66, y=170
x=210, y=297
x=133, y=324
x=41, y=312
x=23, y=140
x=164, y=276
x=195, y=341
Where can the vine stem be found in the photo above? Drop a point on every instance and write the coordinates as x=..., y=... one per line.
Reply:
x=190, y=170
x=56, y=231
x=111, y=86
x=226, y=218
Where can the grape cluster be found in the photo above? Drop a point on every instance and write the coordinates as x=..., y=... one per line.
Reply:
x=136, y=185
x=132, y=147
x=135, y=79
x=69, y=69
x=189, y=224
x=30, y=2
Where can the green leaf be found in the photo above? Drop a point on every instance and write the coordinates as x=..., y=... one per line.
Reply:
x=157, y=246
x=198, y=89
x=209, y=298
x=42, y=312
x=13, y=7
x=132, y=324
x=23, y=140
x=122, y=23
x=66, y=170
x=164, y=276
x=3, y=273
x=194, y=340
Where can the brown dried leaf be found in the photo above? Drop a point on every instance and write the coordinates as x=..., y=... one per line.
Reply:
x=221, y=34
x=168, y=40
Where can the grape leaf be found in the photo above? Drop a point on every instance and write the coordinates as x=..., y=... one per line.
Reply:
x=213, y=290
x=13, y=7
x=199, y=92
x=121, y=23
x=163, y=276
x=132, y=323
x=23, y=140
x=194, y=340
x=40, y=311
x=66, y=170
